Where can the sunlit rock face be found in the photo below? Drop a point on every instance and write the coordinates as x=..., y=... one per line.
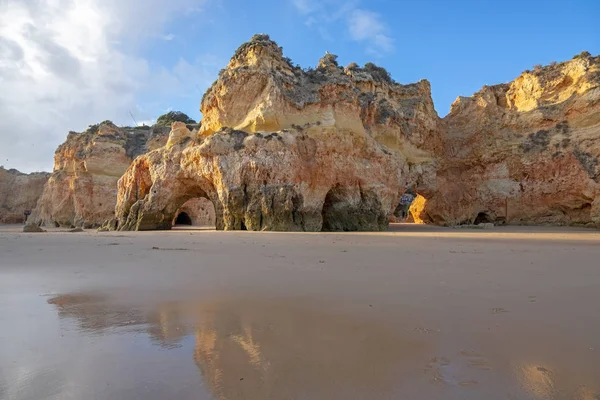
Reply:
x=525, y=152
x=19, y=193
x=82, y=190
x=280, y=148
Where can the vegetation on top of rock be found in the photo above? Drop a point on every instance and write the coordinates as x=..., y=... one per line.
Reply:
x=583, y=54
x=261, y=39
x=93, y=129
x=378, y=73
x=352, y=66
x=288, y=61
x=173, y=116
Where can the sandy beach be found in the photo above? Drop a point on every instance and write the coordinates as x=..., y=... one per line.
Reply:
x=417, y=312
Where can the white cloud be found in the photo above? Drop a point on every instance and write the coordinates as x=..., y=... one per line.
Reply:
x=306, y=6
x=367, y=26
x=65, y=64
x=363, y=26
x=168, y=37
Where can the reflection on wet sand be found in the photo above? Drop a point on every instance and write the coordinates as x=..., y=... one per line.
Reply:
x=259, y=350
x=538, y=381
x=286, y=348
x=265, y=349
x=543, y=383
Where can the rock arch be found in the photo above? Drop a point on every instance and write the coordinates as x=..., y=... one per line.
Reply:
x=148, y=202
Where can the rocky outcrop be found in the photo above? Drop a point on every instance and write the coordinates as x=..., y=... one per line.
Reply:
x=333, y=148
x=281, y=148
x=33, y=228
x=525, y=152
x=19, y=193
x=82, y=190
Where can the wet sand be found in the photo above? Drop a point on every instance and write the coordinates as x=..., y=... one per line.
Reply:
x=413, y=313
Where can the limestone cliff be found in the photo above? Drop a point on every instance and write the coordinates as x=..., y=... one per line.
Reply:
x=82, y=190
x=281, y=148
x=19, y=192
x=333, y=148
x=525, y=152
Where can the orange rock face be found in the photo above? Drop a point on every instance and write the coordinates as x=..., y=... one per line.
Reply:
x=82, y=190
x=522, y=153
x=18, y=193
x=333, y=148
x=281, y=148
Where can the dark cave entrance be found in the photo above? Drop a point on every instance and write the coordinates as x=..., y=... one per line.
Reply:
x=482, y=218
x=348, y=209
x=183, y=219
x=331, y=211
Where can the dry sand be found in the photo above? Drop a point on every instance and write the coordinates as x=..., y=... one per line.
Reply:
x=414, y=313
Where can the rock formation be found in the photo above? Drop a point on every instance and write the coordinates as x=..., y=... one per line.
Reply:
x=19, y=192
x=82, y=190
x=280, y=148
x=332, y=148
x=525, y=152
x=33, y=228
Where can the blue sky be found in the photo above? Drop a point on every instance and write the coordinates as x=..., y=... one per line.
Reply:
x=70, y=63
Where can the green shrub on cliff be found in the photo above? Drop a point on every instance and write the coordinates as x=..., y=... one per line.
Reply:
x=583, y=54
x=378, y=73
x=174, y=116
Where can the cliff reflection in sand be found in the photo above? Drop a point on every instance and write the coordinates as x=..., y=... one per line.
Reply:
x=262, y=349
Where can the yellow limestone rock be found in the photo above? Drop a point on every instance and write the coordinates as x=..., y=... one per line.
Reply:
x=280, y=148
x=82, y=190
x=526, y=152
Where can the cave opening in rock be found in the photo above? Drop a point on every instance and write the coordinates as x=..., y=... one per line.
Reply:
x=482, y=218
x=183, y=219
x=410, y=208
x=197, y=212
x=331, y=210
x=348, y=209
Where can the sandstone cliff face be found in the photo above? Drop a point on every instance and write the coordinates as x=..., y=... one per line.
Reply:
x=522, y=153
x=281, y=148
x=19, y=192
x=82, y=190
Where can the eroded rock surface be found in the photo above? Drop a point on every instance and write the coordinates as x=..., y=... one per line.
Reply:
x=199, y=210
x=526, y=152
x=82, y=190
x=19, y=192
x=281, y=148
x=333, y=148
